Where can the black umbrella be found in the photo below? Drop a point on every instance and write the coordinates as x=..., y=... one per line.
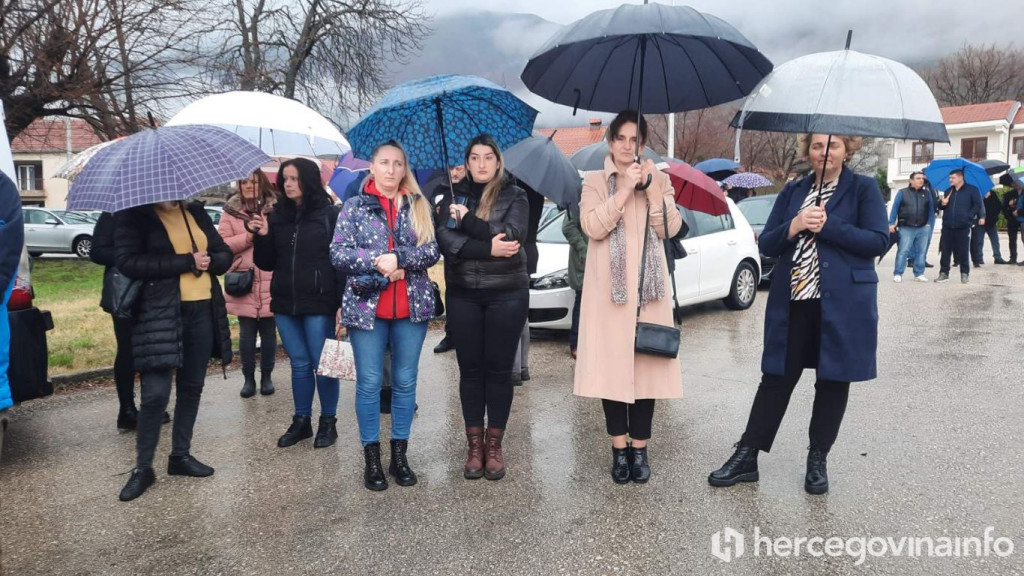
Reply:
x=592, y=157
x=994, y=166
x=539, y=164
x=651, y=58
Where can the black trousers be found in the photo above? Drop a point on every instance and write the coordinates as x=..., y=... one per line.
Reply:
x=124, y=364
x=486, y=326
x=197, y=342
x=954, y=241
x=977, y=244
x=774, y=392
x=633, y=419
x=1012, y=232
x=267, y=329
x=574, y=330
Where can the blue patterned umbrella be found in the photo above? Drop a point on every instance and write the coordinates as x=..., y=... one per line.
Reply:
x=162, y=165
x=747, y=180
x=459, y=108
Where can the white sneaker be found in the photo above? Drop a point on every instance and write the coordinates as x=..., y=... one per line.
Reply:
x=921, y=278
x=897, y=279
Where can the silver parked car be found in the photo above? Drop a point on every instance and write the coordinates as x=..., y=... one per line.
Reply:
x=48, y=231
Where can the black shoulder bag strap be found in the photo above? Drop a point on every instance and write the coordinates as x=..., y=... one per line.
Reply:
x=643, y=266
x=195, y=247
x=668, y=255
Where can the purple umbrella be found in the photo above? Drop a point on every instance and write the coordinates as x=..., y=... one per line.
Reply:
x=747, y=180
x=348, y=160
x=162, y=165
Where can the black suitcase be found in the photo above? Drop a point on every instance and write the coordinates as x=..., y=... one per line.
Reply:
x=29, y=364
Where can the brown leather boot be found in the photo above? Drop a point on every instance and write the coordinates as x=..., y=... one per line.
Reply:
x=495, y=467
x=475, y=459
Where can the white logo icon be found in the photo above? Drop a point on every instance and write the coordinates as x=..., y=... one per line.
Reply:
x=731, y=548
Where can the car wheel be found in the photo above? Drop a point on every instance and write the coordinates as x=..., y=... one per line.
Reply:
x=82, y=246
x=35, y=254
x=744, y=287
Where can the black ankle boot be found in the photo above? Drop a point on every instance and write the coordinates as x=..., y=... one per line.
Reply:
x=187, y=465
x=373, y=476
x=128, y=418
x=326, y=432
x=249, y=386
x=741, y=467
x=266, y=383
x=385, y=400
x=399, y=467
x=640, y=467
x=140, y=480
x=620, y=465
x=816, y=480
x=300, y=429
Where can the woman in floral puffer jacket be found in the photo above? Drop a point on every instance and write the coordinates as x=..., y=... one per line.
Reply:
x=384, y=242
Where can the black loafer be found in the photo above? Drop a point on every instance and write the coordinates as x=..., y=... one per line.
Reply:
x=620, y=465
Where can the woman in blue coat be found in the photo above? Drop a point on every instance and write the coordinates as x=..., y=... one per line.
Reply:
x=822, y=310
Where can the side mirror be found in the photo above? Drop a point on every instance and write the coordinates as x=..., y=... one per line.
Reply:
x=52, y=221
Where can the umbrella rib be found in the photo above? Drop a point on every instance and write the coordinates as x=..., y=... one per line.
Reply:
x=664, y=76
x=568, y=77
x=700, y=81
x=597, y=77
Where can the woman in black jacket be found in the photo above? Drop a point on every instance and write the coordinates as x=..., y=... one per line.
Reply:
x=294, y=243
x=180, y=323
x=488, y=296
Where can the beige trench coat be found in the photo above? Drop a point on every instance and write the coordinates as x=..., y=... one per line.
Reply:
x=606, y=365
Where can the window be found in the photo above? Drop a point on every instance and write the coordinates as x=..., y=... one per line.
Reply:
x=923, y=152
x=974, y=148
x=36, y=216
x=27, y=177
x=1018, y=146
x=708, y=224
x=551, y=233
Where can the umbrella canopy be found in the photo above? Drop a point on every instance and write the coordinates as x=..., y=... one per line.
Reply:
x=435, y=118
x=994, y=166
x=937, y=172
x=350, y=161
x=648, y=57
x=342, y=178
x=844, y=92
x=73, y=167
x=696, y=190
x=747, y=180
x=278, y=125
x=161, y=165
x=539, y=163
x=592, y=157
x=1015, y=175
x=718, y=168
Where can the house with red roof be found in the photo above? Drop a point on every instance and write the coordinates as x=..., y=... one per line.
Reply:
x=40, y=151
x=570, y=140
x=993, y=130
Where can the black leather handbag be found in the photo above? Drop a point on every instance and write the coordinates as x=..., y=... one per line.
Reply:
x=119, y=293
x=239, y=283
x=438, y=301
x=654, y=339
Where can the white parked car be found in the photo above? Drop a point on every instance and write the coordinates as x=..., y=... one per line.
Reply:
x=721, y=263
x=49, y=231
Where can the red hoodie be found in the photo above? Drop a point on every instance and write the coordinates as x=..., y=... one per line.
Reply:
x=394, y=300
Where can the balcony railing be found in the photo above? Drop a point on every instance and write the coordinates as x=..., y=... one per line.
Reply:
x=30, y=184
x=908, y=164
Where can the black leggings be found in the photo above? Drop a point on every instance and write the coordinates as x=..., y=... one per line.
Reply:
x=486, y=325
x=267, y=328
x=124, y=364
x=632, y=419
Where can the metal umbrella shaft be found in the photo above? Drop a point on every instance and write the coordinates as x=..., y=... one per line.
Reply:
x=639, y=105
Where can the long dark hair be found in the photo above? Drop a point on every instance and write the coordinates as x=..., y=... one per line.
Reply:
x=493, y=188
x=309, y=180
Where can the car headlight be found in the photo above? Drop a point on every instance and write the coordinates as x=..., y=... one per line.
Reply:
x=559, y=279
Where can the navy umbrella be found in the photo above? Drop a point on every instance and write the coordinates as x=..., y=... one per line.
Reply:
x=539, y=164
x=994, y=166
x=592, y=157
x=162, y=165
x=718, y=168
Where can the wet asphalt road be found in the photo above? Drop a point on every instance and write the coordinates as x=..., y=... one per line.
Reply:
x=932, y=448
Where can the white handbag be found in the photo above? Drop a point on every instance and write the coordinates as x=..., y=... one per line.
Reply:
x=336, y=360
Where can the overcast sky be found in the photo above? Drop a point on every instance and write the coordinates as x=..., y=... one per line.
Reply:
x=906, y=30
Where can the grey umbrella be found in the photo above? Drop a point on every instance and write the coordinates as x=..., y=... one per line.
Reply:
x=539, y=163
x=592, y=157
x=992, y=166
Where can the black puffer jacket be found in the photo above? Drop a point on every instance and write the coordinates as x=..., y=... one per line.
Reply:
x=297, y=249
x=144, y=252
x=467, y=250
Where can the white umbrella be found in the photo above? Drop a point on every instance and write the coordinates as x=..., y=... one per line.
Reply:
x=278, y=125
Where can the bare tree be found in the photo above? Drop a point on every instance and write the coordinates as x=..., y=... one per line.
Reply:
x=977, y=74
x=332, y=54
x=700, y=134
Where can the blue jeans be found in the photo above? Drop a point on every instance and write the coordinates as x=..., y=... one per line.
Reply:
x=405, y=338
x=993, y=238
x=303, y=338
x=913, y=240
x=927, y=244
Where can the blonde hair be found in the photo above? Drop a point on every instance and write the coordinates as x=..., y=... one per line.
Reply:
x=493, y=188
x=852, y=144
x=422, y=217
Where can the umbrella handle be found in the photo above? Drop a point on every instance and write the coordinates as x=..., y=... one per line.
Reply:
x=645, y=185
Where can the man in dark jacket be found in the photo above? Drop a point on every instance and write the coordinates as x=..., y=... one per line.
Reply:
x=961, y=204
x=457, y=174
x=1012, y=226
x=912, y=210
x=12, y=241
x=992, y=209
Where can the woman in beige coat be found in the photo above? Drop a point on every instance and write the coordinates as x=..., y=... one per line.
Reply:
x=612, y=214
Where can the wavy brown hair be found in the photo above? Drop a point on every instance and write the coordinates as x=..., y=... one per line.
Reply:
x=493, y=188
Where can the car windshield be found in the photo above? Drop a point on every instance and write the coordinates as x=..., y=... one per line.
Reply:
x=73, y=217
x=756, y=210
x=552, y=232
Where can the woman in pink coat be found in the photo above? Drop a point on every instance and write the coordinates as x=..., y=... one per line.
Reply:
x=253, y=308
x=612, y=214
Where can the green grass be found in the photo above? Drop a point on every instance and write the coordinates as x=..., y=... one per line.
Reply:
x=55, y=280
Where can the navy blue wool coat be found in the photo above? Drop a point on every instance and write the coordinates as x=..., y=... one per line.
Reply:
x=856, y=232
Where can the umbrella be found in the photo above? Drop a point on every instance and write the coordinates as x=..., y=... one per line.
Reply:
x=652, y=58
x=696, y=190
x=1013, y=175
x=435, y=118
x=342, y=178
x=539, y=164
x=278, y=125
x=747, y=180
x=73, y=167
x=994, y=166
x=718, y=168
x=161, y=165
x=592, y=157
x=937, y=172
